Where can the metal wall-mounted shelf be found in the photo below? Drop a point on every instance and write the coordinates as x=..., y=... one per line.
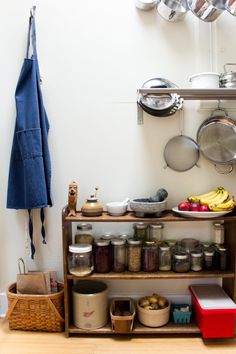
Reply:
x=190, y=94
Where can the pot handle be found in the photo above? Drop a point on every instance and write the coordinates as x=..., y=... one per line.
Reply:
x=234, y=64
x=219, y=109
x=226, y=171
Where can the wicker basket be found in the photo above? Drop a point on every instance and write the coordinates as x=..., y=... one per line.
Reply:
x=36, y=312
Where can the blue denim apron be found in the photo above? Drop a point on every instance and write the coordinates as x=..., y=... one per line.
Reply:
x=30, y=167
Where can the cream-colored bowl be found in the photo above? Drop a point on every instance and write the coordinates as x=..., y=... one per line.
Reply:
x=153, y=318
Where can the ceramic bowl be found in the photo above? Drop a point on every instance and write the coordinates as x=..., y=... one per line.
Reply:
x=143, y=208
x=116, y=208
x=153, y=318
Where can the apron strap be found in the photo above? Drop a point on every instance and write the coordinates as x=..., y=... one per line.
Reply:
x=31, y=234
x=32, y=34
x=43, y=233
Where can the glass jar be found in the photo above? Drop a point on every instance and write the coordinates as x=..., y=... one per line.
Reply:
x=107, y=236
x=220, y=258
x=164, y=257
x=189, y=244
x=218, y=233
x=102, y=256
x=208, y=255
x=134, y=255
x=196, y=260
x=84, y=234
x=140, y=231
x=181, y=261
x=156, y=232
x=118, y=255
x=149, y=257
x=80, y=260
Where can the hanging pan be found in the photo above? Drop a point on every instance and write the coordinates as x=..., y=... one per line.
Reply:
x=216, y=138
x=181, y=153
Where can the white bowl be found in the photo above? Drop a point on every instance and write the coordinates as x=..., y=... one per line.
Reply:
x=116, y=208
x=206, y=80
x=153, y=318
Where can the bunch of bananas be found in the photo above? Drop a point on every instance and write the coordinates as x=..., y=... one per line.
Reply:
x=217, y=200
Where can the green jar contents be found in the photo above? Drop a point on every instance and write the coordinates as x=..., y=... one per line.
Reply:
x=80, y=261
x=118, y=255
x=84, y=234
x=149, y=256
x=134, y=255
x=164, y=257
x=140, y=231
x=156, y=232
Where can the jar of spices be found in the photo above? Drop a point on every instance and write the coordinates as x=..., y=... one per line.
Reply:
x=149, y=257
x=220, y=258
x=84, y=234
x=80, y=261
x=140, y=231
x=218, y=233
x=208, y=255
x=164, y=257
x=118, y=255
x=181, y=261
x=197, y=260
x=156, y=232
x=134, y=255
x=102, y=256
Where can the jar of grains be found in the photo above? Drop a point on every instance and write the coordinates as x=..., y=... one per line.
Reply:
x=196, y=260
x=80, y=261
x=118, y=255
x=181, y=261
x=134, y=255
x=156, y=232
x=84, y=233
x=149, y=256
x=140, y=231
x=102, y=256
x=164, y=257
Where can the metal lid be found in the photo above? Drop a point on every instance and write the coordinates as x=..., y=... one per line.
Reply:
x=84, y=226
x=150, y=243
x=156, y=226
x=181, y=153
x=118, y=241
x=209, y=252
x=131, y=241
x=80, y=248
x=181, y=255
x=100, y=242
x=164, y=246
x=196, y=254
x=140, y=225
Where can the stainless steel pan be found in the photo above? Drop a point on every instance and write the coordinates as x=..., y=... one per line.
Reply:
x=216, y=138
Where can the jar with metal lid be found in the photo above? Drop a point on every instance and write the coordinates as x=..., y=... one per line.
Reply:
x=156, y=232
x=107, y=236
x=181, y=261
x=218, y=233
x=140, y=231
x=80, y=260
x=149, y=256
x=208, y=255
x=134, y=255
x=197, y=260
x=118, y=255
x=189, y=244
x=220, y=258
x=84, y=233
x=102, y=256
x=164, y=257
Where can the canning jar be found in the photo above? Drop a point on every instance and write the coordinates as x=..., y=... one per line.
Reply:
x=102, y=256
x=118, y=255
x=164, y=257
x=218, y=233
x=80, y=261
x=196, y=260
x=149, y=257
x=84, y=234
x=140, y=231
x=208, y=255
x=156, y=232
x=134, y=255
x=220, y=258
x=181, y=261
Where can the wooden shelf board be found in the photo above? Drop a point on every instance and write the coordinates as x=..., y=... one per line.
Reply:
x=156, y=275
x=166, y=216
x=170, y=328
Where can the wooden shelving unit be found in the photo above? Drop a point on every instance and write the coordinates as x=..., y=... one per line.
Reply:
x=228, y=277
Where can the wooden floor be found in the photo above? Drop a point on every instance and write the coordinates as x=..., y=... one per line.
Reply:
x=19, y=342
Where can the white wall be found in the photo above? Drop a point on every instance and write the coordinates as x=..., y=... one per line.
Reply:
x=93, y=56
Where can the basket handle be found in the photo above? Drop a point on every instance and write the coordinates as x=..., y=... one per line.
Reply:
x=53, y=307
x=11, y=308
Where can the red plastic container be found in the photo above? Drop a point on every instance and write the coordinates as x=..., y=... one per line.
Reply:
x=214, y=311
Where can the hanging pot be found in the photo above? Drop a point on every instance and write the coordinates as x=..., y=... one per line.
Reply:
x=181, y=153
x=228, y=78
x=206, y=10
x=172, y=10
x=216, y=138
x=230, y=6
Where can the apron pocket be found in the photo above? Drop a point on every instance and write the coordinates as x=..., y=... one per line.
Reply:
x=30, y=143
